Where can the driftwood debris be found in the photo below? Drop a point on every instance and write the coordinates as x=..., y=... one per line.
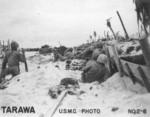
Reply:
x=126, y=34
x=145, y=79
x=50, y=113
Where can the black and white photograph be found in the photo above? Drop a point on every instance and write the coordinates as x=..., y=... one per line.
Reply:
x=74, y=58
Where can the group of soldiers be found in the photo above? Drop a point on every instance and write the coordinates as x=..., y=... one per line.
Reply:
x=96, y=69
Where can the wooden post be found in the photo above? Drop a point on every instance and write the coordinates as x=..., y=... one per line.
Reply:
x=130, y=73
x=1, y=48
x=121, y=67
x=145, y=45
x=8, y=44
x=110, y=27
x=25, y=62
x=108, y=36
x=52, y=112
x=113, y=33
x=117, y=60
x=109, y=60
x=145, y=29
x=145, y=79
x=3, y=44
x=126, y=34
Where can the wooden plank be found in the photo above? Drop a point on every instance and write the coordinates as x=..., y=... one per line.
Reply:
x=145, y=45
x=112, y=61
x=145, y=79
x=135, y=71
x=137, y=59
x=8, y=45
x=110, y=27
x=133, y=67
x=109, y=60
x=117, y=60
x=121, y=67
x=50, y=113
x=126, y=72
x=3, y=45
x=130, y=73
x=126, y=34
x=110, y=51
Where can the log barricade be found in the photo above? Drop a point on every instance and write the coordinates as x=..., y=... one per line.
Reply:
x=138, y=73
x=31, y=49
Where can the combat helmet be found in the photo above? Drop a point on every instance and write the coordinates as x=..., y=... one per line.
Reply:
x=14, y=45
x=102, y=58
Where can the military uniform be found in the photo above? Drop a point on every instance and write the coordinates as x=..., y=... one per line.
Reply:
x=95, y=70
x=11, y=61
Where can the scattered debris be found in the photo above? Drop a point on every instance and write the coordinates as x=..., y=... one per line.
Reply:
x=55, y=91
x=69, y=81
x=114, y=109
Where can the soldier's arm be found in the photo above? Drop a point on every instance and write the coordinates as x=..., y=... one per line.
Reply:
x=5, y=60
x=21, y=57
x=86, y=69
x=107, y=74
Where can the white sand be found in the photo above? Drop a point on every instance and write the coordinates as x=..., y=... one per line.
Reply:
x=32, y=90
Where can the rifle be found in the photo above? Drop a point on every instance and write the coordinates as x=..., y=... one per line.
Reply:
x=25, y=62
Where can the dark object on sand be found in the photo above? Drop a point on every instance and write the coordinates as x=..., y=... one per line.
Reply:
x=57, y=104
x=137, y=48
x=69, y=81
x=57, y=66
x=91, y=88
x=87, y=53
x=3, y=87
x=61, y=50
x=114, y=109
x=68, y=62
x=45, y=49
x=129, y=49
x=96, y=95
x=54, y=92
x=4, y=83
x=77, y=64
x=18, y=80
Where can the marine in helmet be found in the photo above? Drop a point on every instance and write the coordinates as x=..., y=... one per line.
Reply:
x=96, y=70
x=103, y=61
x=10, y=64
